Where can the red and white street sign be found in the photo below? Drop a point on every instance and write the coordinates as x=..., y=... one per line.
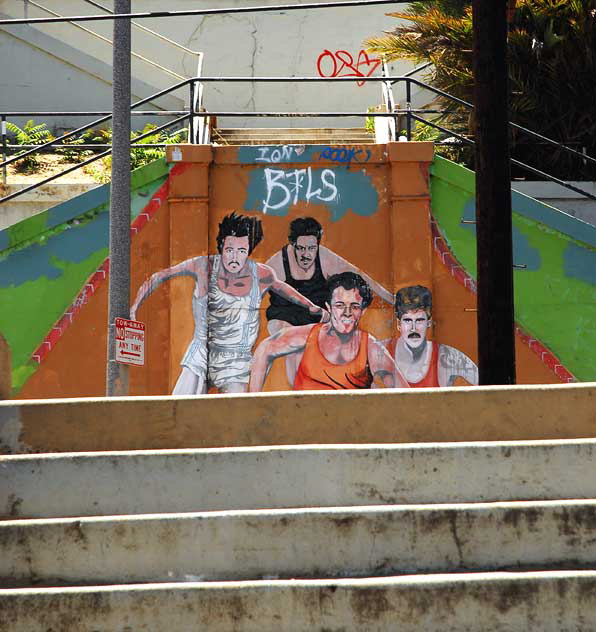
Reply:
x=130, y=342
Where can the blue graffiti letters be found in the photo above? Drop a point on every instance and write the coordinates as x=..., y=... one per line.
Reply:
x=344, y=155
x=285, y=187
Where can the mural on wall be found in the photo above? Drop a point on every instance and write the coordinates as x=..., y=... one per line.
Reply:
x=306, y=265
x=425, y=363
x=227, y=295
x=238, y=302
x=335, y=355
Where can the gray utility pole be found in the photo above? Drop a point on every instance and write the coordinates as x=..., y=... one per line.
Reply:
x=496, y=338
x=119, y=293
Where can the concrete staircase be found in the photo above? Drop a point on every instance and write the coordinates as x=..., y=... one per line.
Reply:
x=444, y=536
x=292, y=136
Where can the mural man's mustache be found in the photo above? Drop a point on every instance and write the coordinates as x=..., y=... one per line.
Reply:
x=414, y=335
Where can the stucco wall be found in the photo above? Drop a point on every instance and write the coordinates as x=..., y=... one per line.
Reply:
x=378, y=221
x=292, y=43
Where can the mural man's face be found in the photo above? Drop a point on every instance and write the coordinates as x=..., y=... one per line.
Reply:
x=234, y=253
x=413, y=326
x=306, y=248
x=345, y=309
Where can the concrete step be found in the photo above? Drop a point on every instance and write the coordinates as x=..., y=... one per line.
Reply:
x=292, y=131
x=487, y=413
x=300, y=543
x=292, y=141
x=175, y=481
x=512, y=602
x=288, y=136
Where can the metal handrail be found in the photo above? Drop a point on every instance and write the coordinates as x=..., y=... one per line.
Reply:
x=196, y=102
x=330, y=4
x=103, y=154
x=109, y=41
x=470, y=106
x=144, y=28
x=98, y=121
x=516, y=162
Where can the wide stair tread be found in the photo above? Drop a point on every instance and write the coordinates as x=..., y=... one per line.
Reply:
x=286, y=136
x=430, y=537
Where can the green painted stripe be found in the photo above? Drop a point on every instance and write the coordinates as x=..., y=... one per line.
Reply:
x=555, y=296
x=21, y=234
x=464, y=179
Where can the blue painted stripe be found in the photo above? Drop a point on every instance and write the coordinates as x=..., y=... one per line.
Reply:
x=80, y=204
x=554, y=218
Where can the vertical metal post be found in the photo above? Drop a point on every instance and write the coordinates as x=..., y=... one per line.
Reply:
x=191, y=119
x=408, y=108
x=119, y=291
x=4, y=150
x=495, y=316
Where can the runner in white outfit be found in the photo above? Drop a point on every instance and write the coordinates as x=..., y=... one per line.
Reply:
x=226, y=300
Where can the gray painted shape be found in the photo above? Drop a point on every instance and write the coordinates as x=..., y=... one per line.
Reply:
x=554, y=218
x=580, y=263
x=73, y=245
x=523, y=252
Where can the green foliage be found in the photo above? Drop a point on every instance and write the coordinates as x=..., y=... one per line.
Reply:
x=89, y=137
x=447, y=146
x=140, y=156
x=72, y=152
x=29, y=134
x=552, y=67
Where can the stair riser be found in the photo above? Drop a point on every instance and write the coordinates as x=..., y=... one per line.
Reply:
x=535, y=602
x=205, y=480
x=309, y=543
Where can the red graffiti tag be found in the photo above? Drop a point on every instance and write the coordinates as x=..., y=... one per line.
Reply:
x=341, y=64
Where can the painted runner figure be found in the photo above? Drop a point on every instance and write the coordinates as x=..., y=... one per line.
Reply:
x=335, y=355
x=423, y=362
x=306, y=265
x=226, y=299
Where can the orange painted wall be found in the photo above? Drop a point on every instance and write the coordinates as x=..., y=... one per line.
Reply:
x=391, y=242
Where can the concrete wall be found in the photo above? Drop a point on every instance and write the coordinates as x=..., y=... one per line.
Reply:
x=392, y=416
x=378, y=221
x=555, y=259
x=565, y=200
x=50, y=265
x=265, y=44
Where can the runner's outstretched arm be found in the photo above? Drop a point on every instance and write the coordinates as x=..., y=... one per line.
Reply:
x=332, y=263
x=283, y=343
x=195, y=267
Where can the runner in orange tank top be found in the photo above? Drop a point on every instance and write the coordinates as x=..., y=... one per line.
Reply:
x=334, y=355
x=431, y=378
x=315, y=372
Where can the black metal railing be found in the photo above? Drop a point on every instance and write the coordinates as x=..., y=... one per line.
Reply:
x=196, y=112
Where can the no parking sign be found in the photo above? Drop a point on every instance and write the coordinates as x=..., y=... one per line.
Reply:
x=130, y=342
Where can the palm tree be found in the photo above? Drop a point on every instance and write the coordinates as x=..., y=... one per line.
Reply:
x=552, y=67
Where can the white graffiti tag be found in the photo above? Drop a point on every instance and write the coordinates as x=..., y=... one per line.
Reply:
x=286, y=187
x=283, y=153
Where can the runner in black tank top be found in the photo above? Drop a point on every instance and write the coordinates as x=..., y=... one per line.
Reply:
x=314, y=289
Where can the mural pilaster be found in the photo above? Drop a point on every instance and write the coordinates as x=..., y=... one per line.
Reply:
x=189, y=230
x=411, y=252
